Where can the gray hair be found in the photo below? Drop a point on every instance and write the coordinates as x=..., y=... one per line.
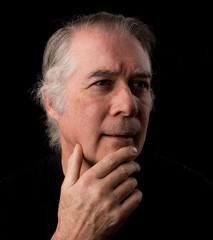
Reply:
x=58, y=65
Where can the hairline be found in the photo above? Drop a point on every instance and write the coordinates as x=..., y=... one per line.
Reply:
x=95, y=26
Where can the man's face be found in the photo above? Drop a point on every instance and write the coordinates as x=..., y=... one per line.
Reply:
x=107, y=96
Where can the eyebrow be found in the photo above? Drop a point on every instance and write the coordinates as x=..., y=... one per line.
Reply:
x=102, y=73
x=142, y=74
x=107, y=73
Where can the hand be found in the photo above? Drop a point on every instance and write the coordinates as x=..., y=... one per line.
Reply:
x=95, y=205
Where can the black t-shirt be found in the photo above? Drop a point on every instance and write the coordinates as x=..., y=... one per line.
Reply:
x=177, y=202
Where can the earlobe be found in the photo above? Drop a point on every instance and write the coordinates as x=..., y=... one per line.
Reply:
x=49, y=106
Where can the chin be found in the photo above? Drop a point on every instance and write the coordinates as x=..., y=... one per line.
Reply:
x=96, y=156
x=112, y=149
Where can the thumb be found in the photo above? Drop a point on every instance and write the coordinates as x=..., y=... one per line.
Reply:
x=74, y=166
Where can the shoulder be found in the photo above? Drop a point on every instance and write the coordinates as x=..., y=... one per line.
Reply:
x=30, y=198
x=164, y=168
x=175, y=197
x=35, y=182
x=174, y=185
x=42, y=170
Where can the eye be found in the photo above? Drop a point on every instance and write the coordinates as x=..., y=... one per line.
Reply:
x=140, y=84
x=103, y=83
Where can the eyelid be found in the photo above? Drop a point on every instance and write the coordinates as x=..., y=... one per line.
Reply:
x=106, y=81
x=140, y=81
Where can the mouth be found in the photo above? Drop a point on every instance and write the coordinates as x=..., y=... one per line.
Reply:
x=120, y=140
x=127, y=139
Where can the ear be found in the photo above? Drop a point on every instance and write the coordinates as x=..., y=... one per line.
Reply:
x=49, y=106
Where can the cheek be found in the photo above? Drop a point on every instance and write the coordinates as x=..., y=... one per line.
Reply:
x=83, y=119
x=92, y=115
x=144, y=113
x=144, y=104
x=91, y=112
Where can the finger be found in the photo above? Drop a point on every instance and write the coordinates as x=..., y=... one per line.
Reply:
x=74, y=166
x=131, y=203
x=124, y=189
x=113, y=160
x=121, y=173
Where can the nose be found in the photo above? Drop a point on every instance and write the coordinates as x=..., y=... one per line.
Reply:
x=124, y=103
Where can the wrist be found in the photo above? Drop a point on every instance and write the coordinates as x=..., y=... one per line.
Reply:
x=59, y=236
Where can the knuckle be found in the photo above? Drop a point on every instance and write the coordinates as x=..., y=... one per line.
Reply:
x=111, y=162
x=108, y=205
x=88, y=177
x=132, y=183
x=118, y=217
x=97, y=194
x=82, y=185
x=124, y=171
x=86, y=180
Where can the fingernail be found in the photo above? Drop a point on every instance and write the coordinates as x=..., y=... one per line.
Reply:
x=133, y=150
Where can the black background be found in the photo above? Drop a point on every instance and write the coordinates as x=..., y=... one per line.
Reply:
x=181, y=125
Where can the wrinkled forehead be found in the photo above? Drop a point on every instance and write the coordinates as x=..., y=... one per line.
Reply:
x=111, y=51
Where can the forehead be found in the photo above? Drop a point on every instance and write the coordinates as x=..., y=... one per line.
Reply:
x=93, y=48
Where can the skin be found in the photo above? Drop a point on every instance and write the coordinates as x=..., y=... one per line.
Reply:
x=102, y=131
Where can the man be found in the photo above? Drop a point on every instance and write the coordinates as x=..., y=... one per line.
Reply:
x=96, y=91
